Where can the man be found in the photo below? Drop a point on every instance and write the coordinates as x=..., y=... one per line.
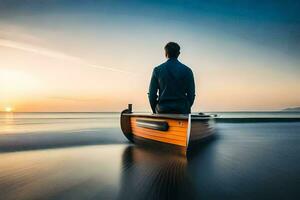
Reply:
x=172, y=87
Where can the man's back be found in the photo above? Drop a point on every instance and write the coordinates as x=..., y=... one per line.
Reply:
x=175, y=85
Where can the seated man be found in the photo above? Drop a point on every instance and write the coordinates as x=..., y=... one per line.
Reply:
x=172, y=87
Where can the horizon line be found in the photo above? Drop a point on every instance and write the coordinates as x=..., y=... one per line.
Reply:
x=237, y=111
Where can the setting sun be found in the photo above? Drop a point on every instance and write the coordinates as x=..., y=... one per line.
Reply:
x=8, y=109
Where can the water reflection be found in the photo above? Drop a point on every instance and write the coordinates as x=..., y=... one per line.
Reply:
x=7, y=124
x=149, y=173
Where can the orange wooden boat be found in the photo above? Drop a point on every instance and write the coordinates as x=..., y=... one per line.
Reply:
x=177, y=130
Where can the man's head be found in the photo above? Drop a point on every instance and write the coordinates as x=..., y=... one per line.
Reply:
x=172, y=50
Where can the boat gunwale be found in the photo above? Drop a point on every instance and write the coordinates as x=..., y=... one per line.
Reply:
x=170, y=116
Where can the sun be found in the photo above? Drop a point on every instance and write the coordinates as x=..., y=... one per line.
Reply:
x=8, y=109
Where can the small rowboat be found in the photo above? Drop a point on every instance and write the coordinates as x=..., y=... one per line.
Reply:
x=177, y=130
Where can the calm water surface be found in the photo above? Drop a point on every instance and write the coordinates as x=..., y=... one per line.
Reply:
x=85, y=156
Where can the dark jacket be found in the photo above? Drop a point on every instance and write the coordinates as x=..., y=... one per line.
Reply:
x=172, y=88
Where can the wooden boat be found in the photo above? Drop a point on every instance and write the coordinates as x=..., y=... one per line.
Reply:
x=177, y=130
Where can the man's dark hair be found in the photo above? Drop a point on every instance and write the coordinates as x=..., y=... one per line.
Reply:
x=172, y=49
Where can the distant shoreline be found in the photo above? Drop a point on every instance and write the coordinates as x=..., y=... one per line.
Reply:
x=295, y=109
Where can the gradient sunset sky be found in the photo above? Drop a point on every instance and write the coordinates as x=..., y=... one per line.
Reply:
x=67, y=55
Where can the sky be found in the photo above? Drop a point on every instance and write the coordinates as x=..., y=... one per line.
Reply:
x=90, y=56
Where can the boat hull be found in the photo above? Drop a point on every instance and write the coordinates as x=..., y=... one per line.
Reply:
x=182, y=131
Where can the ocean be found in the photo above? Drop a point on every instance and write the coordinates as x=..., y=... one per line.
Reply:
x=86, y=156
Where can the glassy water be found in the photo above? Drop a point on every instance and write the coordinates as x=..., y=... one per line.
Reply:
x=85, y=156
x=44, y=122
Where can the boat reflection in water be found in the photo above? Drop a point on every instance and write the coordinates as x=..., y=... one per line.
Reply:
x=149, y=173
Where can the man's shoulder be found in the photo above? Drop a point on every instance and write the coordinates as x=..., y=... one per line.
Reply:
x=185, y=67
x=159, y=67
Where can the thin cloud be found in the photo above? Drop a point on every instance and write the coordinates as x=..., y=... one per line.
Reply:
x=73, y=98
x=55, y=54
